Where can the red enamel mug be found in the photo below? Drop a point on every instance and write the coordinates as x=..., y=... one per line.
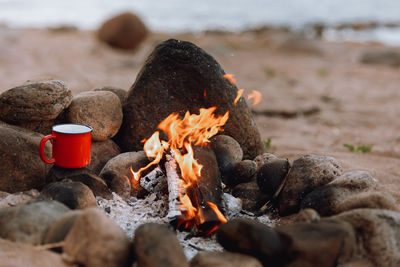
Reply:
x=71, y=145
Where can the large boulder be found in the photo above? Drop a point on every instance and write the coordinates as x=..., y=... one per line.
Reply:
x=99, y=109
x=178, y=77
x=35, y=105
x=124, y=31
x=21, y=168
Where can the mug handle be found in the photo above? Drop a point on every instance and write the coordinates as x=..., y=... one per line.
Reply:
x=41, y=148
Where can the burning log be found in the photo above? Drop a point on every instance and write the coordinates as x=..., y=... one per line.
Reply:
x=154, y=181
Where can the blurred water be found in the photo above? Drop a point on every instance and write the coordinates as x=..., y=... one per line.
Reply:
x=181, y=15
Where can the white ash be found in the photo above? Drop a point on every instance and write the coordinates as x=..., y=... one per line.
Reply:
x=130, y=214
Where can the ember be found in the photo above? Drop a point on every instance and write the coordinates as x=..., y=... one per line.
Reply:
x=186, y=207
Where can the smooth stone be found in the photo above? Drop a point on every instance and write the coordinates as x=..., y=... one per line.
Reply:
x=101, y=110
x=28, y=223
x=101, y=152
x=242, y=172
x=61, y=227
x=121, y=93
x=263, y=159
x=250, y=194
x=223, y=259
x=271, y=175
x=156, y=245
x=306, y=174
x=95, y=240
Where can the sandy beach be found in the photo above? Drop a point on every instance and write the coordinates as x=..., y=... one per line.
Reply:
x=317, y=96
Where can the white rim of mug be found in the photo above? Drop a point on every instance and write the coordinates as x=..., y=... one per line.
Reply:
x=83, y=132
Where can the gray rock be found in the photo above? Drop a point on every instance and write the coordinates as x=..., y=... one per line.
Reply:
x=250, y=194
x=243, y=172
x=271, y=175
x=117, y=173
x=124, y=31
x=34, y=101
x=121, y=93
x=178, y=73
x=156, y=245
x=14, y=254
x=386, y=57
x=329, y=199
x=95, y=240
x=255, y=239
x=83, y=175
x=322, y=243
x=28, y=223
x=263, y=159
x=74, y=195
x=101, y=110
x=101, y=153
x=223, y=259
x=378, y=232
x=61, y=227
x=21, y=168
x=307, y=173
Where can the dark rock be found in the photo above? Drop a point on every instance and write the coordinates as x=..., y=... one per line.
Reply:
x=101, y=110
x=34, y=101
x=223, y=259
x=121, y=93
x=271, y=175
x=83, y=175
x=307, y=215
x=307, y=173
x=156, y=245
x=263, y=159
x=386, y=57
x=228, y=152
x=95, y=240
x=243, y=172
x=124, y=31
x=174, y=79
x=14, y=254
x=74, y=195
x=329, y=199
x=21, y=168
x=254, y=238
x=250, y=194
x=28, y=223
x=8, y=200
x=378, y=232
x=61, y=227
x=101, y=153
x=322, y=243
x=117, y=173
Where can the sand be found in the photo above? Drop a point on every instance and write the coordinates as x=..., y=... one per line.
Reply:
x=350, y=103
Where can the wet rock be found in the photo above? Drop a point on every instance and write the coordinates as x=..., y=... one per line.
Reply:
x=307, y=173
x=178, y=73
x=83, y=175
x=263, y=159
x=322, y=243
x=101, y=110
x=28, y=223
x=121, y=93
x=35, y=105
x=156, y=245
x=242, y=172
x=329, y=199
x=117, y=173
x=222, y=259
x=8, y=200
x=379, y=233
x=250, y=194
x=271, y=175
x=228, y=152
x=74, y=195
x=21, y=168
x=95, y=240
x=255, y=239
x=386, y=57
x=101, y=153
x=124, y=31
x=61, y=227
x=16, y=254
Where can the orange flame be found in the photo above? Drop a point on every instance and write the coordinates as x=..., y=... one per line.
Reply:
x=256, y=96
x=238, y=96
x=230, y=78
